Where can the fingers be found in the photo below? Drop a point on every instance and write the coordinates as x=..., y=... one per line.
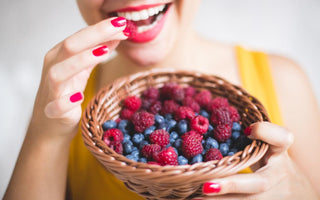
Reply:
x=278, y=137
x=68, y=68
x=58, y=107
x=94, y=35
x=240, y=183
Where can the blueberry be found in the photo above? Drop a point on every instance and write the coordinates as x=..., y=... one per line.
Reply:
x=224, y=149
x=142, y=159
x=168, y=116
x=109, y=125
x=236, y=126
x=229, y=142
x=182, y=127
x=135, y=154
x=204, y=113
x=177, y=144
x=127, y=147
x=176, y=150
x=174, y=135
x=204, y=152
x=210, y=128
x=125, y=126
x=143, y=143
x=137, y=138
x=162, y=126
x=230, y=153
x=148, y=131
x=196, y=114
x=135, y=148
x=171, y=124
x=196, y=159
x=182, y=160
x=233, y=150
x=131, y=157
x=159, y=119
x=241, y=142
x=235, y=135
x=211, y=143
x=126, y=137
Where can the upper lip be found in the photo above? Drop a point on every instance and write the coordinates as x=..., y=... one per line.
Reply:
x=139, y=7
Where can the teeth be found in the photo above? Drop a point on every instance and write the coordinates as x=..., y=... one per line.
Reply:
x=148, y=27
x=142, y=14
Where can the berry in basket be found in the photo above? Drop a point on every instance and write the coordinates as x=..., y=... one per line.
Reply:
x=175, y=125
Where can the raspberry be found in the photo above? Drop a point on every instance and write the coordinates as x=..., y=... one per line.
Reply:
x=203, y=97
x=190, y=102
x=113, y=138
x=151, y=93
x=142, y=120
x=146, y=103
x=160, y=137
x=200, y=124
x=167, y=157
x=126, y=114
x=169, y=106
x=166, y=90
x=183, y=112
x=217, y=102
x=155, y=107
x=191, y=146
x=132, y=103
x=189, y=91
x=222, y=132
x=213, y=154
x=193, y=134
x=234, y=114
x=150, y=150
x=177, y=93
x=221, y=116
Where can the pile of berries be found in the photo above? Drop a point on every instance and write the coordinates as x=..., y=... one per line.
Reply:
x=175, y=125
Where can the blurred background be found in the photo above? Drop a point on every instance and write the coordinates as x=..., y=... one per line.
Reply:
x=29, y=28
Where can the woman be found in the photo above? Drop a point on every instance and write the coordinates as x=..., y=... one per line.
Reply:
x=158, y=34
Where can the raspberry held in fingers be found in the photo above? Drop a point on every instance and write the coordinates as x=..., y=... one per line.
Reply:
x=119, y=21
x=76, y=97
x=100, y=51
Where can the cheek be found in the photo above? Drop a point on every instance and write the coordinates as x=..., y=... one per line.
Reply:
x=91, y=10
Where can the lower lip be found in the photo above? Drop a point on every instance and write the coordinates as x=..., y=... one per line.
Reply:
x=148, y=35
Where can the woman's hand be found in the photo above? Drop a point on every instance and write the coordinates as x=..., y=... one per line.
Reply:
x=278, y=177
x=66, y=70
x=41, y=168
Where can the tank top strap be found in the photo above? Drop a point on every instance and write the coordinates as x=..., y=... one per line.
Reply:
x=256, y=78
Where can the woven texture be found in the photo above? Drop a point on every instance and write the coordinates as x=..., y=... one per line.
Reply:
x=168, y=182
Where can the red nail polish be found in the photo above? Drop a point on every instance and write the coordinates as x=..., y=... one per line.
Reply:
x=76, y=97
x=211, y=188
x=100, y=51
x=247, y=131
x=119, y=21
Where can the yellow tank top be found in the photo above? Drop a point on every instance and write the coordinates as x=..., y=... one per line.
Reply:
x=87, y=179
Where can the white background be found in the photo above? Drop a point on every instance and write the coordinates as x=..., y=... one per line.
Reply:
x=29, y=28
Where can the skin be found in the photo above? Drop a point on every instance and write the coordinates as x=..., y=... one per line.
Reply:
x=41, y=169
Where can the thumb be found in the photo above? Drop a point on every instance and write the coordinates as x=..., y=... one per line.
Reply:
x=278, y=137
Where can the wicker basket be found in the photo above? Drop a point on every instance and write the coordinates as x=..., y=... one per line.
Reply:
x=168, y=182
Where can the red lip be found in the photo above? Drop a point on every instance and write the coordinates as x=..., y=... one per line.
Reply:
x=138, y=8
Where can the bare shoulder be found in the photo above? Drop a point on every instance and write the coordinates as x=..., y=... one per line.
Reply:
x=293, y=90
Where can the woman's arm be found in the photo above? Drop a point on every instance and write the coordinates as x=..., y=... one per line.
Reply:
x=301, y=115
x=41, y=168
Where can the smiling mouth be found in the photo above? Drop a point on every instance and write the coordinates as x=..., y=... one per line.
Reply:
x=143, y=18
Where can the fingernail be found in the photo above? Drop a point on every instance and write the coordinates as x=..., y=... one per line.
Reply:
x=247, y=131
x=100, y=51
x=76, y=97
x=211, y=188
x=119, y=21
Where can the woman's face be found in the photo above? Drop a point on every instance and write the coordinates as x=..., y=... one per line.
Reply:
x=155, y=25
